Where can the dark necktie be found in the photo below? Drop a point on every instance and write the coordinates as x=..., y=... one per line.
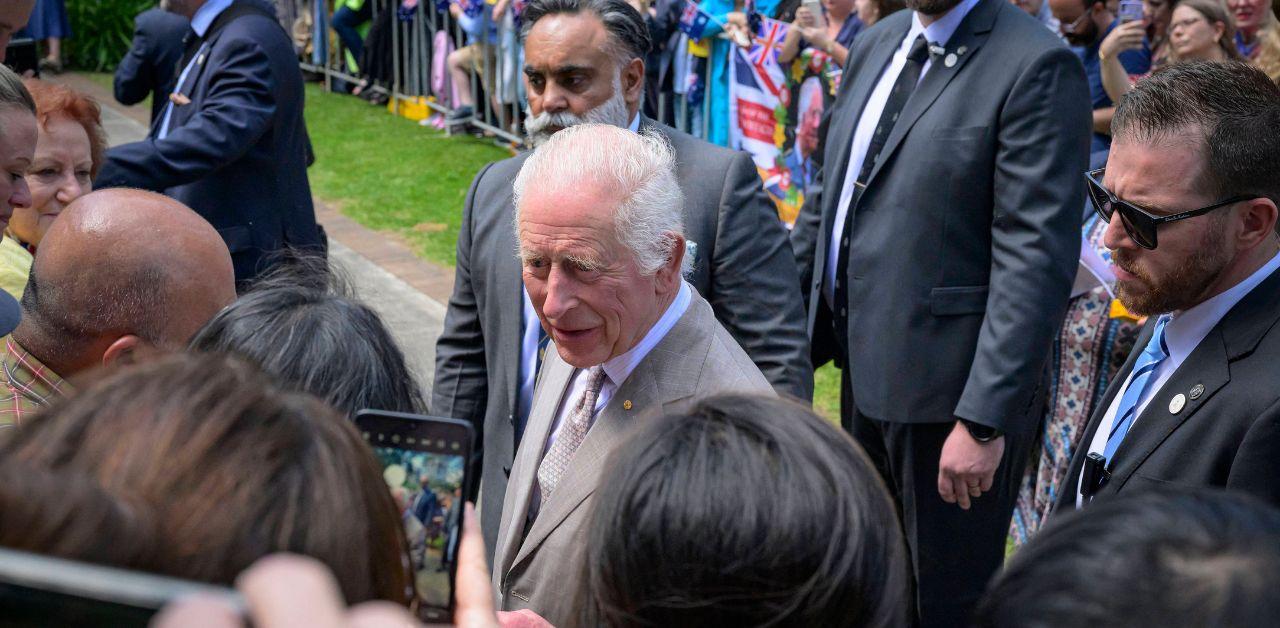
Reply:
x=898, y=97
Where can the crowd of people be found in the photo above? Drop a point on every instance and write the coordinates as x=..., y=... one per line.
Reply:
x=1048, y=277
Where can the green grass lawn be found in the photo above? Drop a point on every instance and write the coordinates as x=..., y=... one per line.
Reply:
x=390, y=174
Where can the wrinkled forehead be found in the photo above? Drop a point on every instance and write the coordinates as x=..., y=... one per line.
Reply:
x=567, y=40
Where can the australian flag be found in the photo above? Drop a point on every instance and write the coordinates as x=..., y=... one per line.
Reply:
x=693, y=21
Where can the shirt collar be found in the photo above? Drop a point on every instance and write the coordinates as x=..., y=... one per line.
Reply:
x=1187, y=328
x=635, y=123
x=206, y=14
x=941, y=30
x=619, y=369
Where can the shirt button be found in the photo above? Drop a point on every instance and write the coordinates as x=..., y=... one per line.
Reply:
x=844, y=311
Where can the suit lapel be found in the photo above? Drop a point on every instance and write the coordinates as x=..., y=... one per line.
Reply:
x=510, y=295
x=656, y=383
x=844, y=121
x=546, y=400
x=970, y=35
x=1206, y=367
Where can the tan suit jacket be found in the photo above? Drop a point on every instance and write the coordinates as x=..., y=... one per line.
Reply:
x=540, y=570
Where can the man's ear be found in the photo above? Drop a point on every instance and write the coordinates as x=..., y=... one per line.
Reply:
x=1258, y=217
x=125, y=350
x=633, y=83
x=670, y=275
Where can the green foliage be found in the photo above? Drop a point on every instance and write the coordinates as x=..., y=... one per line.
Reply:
x=101, y=31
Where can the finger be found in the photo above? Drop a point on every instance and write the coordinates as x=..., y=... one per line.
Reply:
x=380, y=614
x=962, y=493
x=291, y=590
x=986, y=481
x=199, y=611
x=473, y=591
x=974, y=489
x=945, y=487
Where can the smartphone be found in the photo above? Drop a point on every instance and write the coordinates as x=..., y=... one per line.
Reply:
x=1130, y=11
x=426, y=462
x=815, y=7
x=39, y=590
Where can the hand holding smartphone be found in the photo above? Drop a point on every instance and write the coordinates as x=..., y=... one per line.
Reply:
x=1130, y=11
x=815, y=8
x=426, y=462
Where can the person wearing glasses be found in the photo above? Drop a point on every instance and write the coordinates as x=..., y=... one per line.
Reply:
x=1189, y=195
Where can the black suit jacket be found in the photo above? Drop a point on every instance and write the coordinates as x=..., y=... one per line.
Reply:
x=743, y=267
x=152, y=61
x=965, y=241
x=237, y=153
x=1227, y=436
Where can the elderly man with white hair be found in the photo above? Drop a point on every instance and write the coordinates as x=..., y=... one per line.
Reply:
x=598, y=220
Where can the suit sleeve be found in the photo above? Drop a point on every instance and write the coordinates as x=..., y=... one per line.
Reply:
x=1042, y=149
x=134, y=76
x=1257, y=462
x=755, y=290
x=461, y=383
x=238, y=108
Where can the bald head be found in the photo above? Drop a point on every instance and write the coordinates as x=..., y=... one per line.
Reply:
x=120, y=271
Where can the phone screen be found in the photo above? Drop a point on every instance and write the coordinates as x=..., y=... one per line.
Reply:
x=1130, y=10
x=424, y=462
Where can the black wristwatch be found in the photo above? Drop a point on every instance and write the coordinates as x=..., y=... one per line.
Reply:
x=981, y=433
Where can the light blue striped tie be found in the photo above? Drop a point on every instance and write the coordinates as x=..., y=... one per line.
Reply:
x=1147, y=363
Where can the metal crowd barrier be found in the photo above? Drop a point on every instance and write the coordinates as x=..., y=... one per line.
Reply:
x=496, y=84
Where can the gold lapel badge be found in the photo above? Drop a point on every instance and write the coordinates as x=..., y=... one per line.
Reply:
x=179, y=99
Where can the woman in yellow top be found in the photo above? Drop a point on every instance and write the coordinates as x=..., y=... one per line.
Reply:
x=68, y=153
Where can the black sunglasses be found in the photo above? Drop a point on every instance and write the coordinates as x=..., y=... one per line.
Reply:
x=1139, y=223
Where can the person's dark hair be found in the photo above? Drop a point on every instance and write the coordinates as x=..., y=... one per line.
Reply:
x=627, y=30
x=233, y=468
x=301, y=325
x=1167, y=558
x=1227, y=103
x=13, y=93
x=745, y=511
x=67, y=515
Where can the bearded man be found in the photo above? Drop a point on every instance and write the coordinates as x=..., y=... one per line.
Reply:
x=584, y=62
x=938, y=248
x=1190, y=192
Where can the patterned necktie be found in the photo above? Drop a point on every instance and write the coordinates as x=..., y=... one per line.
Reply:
x=898, y=97
x=1143, y=370
x=572, y=433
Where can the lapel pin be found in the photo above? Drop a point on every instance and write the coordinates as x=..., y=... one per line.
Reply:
x=200, y=59
x=179, y=99
x=626, y=405
x=1178, y=402
x=962, y=49
x=1197, y=390
x=950, y=61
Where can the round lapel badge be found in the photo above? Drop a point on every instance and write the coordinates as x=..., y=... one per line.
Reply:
x=950, y=61
x=1178, y=402
x=1197, y=390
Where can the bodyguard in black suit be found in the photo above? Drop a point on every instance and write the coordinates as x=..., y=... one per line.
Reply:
x=1197, y=403
x=231, y=143
x=938, y=254
x=152, y=61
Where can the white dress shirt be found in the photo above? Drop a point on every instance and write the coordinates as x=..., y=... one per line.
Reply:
x=1182, y=334
x=200, y=23
x=616, y=371
x=939, y=32
x=529, y=340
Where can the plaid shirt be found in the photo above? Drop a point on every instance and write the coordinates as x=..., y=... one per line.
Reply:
x=26, y=385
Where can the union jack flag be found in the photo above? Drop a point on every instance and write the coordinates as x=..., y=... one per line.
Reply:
x=764, y=53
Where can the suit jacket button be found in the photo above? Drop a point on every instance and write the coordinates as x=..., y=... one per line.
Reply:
x=511, y=418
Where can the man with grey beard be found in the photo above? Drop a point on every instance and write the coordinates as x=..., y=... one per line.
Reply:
x=938, y=251
x=584, y=63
